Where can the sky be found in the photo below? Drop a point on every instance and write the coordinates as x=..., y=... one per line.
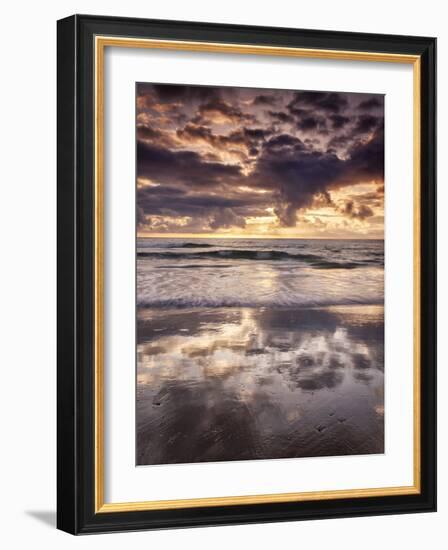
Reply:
x=245, y=162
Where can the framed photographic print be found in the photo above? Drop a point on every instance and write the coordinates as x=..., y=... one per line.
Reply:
x=246, y=274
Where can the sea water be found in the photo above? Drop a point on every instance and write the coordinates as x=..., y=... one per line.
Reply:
x=259, y=272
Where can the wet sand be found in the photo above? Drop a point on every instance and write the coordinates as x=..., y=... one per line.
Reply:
x=259, y=383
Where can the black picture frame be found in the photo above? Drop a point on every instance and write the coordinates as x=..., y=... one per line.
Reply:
x=76, y=263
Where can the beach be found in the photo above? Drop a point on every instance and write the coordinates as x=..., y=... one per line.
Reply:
x=259, y=273
x=241, y=383
x=253, y=351
x=270, y=381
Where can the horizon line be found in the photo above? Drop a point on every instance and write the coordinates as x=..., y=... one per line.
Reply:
x=252, y=237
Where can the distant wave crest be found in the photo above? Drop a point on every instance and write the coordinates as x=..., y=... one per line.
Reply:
x=259, y=273
x=313, y=260
x=169, y=245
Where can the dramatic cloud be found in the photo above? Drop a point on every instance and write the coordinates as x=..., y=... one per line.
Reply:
x=227, y=218
x=265, y=100
x=321, y=101
x=237, y=160
x=339, y=121
x=220, y=112
x=360, y=213
x=184, y=168
x=367, y=123
x=281, y=116
x=371, y=103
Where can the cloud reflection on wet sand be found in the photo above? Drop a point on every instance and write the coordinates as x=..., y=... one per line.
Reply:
x=244, y=383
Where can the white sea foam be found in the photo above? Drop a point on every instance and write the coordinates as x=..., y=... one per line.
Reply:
x=263, y=273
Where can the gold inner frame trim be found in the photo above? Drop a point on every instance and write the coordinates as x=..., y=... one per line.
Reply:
x=101, y=42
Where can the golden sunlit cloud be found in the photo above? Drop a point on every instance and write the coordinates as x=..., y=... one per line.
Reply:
x=216, y=162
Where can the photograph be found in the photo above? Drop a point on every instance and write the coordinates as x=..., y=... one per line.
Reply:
x=259, y=273
x=246, y=247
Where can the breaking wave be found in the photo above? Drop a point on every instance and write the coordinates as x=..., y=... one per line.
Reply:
x=313, y=260
x=259, y=273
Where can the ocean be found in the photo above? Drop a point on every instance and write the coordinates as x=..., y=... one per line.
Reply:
x=258, y=349
x=259, y=272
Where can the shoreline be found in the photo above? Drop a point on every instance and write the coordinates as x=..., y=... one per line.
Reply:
x=244, y=383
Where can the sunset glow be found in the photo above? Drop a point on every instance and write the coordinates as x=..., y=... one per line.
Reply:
x=252, y=163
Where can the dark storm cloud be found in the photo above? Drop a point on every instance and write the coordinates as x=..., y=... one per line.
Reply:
x=196, y=133
x=339, y=121
x=282, y=142
x=298, y=175
x=264, y=100
x=219, y=155
x=179, y=93
x=199, y=212
x=311, y=122
x=219, y=111
x=161, y=201
x=281, y=116
x=311, y=142
x=157, y=137
x=295, y=175
x=182, y=167
x=366, y=160
x=339, y=142
x=360, y=213
x=226, y=218
x=372, y=103
x=148, y=133
x=329, y=102
x=366, y=123
x=244, y=137
x=141, y=216
x=257, y=134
